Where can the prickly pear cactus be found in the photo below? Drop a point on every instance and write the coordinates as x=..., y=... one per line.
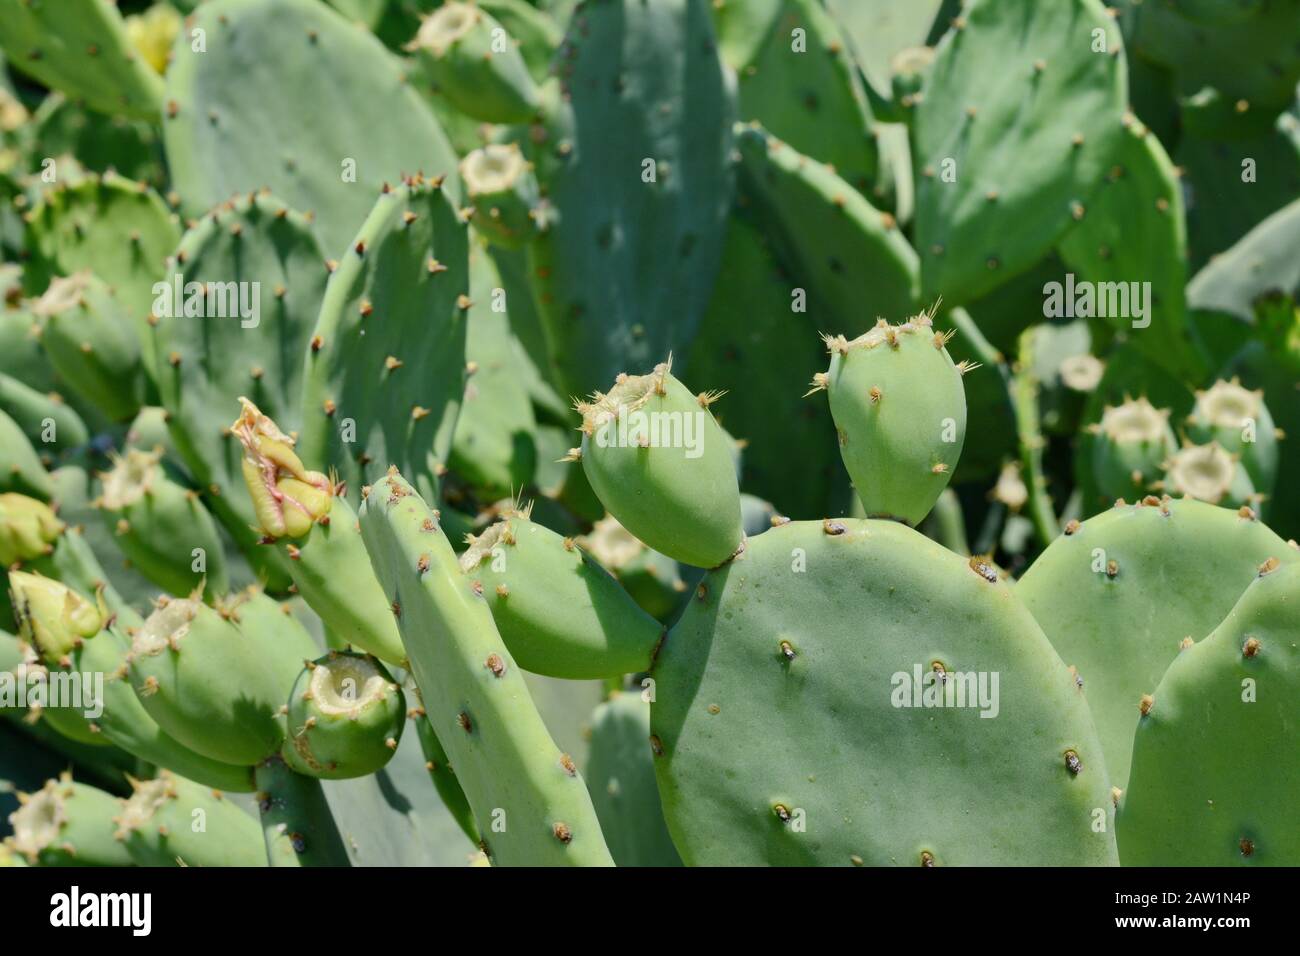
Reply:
x=840, y=753
x=999, y=172
x=227, y=103
x=1092, y=592
x=1206, y=774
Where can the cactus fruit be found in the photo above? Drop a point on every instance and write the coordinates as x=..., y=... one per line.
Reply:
x=346, y=717
x=88, y=336
x=53, y=618
x=503, y=191
x=1209, y=473
x=47, y=421
x=83, y=48
x=385, y=368
x=505, y=760
x=67, y=824
x=1206, y=774
x=171, y=821
x=1237, y=419
x=216, y=679
x=20, y=466
x=162, y=526
x=221, y=129
x=1131, y=445
x=476, y=64
x=1117, y=593
x=560, y=613
x=824, y=764
x=651, y=579
x=28, y=529
x=897, y=398
x=999, y=171
x=320, y=537
x=658, y=461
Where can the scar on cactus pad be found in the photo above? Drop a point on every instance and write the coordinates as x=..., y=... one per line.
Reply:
x=662, y=465
x=900, y=409
x=287, y=498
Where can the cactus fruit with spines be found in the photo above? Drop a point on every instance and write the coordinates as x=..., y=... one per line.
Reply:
x=560, y=613
x=660, y=463
x=476, y=64
x=346, y=717
x=900, y=410
x=299, y=301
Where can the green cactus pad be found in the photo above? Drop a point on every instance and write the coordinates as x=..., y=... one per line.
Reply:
x=443, y=776
x=494, y=448
x=92, y=342
x=621, y=775
x=1130, y=243
x=162, y=526
x=217, y=679
x=476, y=64
x=258, y=248
x=560, y=613
x=81, y=47
x=783, y=737
x=898, y=402
x=171, y=821
x=224, y=133
x=21, y=470
x=852, y=258
x=297, y=825
x=805, y=89
x=120, y=230
x=677, y=492
x=346, y=718
x=1210, y=784
x=48, y=422
x=67, y=824
x=1263, y=261
x=385, y=370
x=528, y=799
x=1118, y=593
x=1000, y=171
x=750, y=328
x=640, y=184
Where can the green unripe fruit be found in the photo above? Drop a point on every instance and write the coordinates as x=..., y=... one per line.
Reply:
x=162, y=526
x=28, y=529
x=900, y=409
x=503, y=191
x=476, y=64
x=52, y=618
x=217, y=679
x=1209, y=473
x=560, y=613
x=662, y=466
x=346, y=716
x=67, y=824
x=171, y=821
x=1133, y=441
x=1239, y=421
